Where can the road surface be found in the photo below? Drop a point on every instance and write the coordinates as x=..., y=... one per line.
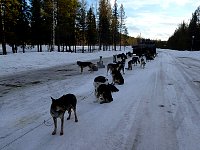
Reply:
x=158, y=108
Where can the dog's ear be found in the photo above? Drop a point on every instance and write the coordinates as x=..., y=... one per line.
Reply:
x=52, y=99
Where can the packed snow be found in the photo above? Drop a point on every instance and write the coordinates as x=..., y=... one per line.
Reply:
x=158, y=107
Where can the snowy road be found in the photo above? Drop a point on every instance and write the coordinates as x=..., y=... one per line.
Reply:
x=158, y=108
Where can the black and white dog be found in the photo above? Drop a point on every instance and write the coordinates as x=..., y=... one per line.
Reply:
x=98, y=81
x=103, y=90
x=58, y=108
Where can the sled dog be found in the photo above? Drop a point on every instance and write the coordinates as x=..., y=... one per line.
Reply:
x=90, y=65
x=59, y=106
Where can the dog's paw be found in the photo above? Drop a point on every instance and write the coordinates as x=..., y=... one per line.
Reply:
x=61, y=133
x=54, y=132
x=102, y=102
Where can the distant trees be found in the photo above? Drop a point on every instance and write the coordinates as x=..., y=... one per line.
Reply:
x=104, y=24
x=91, y=30
x=187, y=36
x=64, y=23
x=82, y=23
x=115, y=25
x=122, y=26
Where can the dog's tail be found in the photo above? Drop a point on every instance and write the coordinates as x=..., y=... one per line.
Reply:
x=113, y=88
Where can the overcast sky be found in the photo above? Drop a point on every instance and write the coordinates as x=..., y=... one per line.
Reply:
x=156, y=19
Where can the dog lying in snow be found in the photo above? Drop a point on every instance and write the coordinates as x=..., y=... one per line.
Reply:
x=103, y=90
x=58, y=108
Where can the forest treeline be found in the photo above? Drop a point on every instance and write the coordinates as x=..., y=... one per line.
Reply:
x=64, y=23
x=67, y=24
x=186, y=36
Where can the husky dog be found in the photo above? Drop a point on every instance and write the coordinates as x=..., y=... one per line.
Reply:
x=143, y=63
x=98, y=81
x=117, y=77
x=113, y=66
x=58, y=108
x=130, y=62
x=90, y=65
x=104, y=92
x=135, y=60
x=103, y=89
x=122, y=65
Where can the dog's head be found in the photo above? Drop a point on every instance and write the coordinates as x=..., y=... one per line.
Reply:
x=106, y=97
x=78, y=62
x=113, y=88
x=56, y=109
x=101, y=79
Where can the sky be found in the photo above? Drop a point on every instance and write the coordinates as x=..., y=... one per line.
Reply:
x=156, y=19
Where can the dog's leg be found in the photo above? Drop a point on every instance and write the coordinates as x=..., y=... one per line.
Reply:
x=55, y=126
x=107, y=70
x=62, y=123
x=81, y=69
x=76, y=119
x=69, y=112
x=113, y=81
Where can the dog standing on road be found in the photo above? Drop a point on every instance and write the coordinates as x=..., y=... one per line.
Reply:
x=90, y=65
x=130, y=62
x=135, y=60
x=58, y=108
x=143, y=63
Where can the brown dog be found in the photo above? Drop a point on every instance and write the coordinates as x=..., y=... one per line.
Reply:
x=58, y=108
x=84, y=64
x=113, y=66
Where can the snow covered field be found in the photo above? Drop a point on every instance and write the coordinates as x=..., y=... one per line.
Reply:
x=158, y=107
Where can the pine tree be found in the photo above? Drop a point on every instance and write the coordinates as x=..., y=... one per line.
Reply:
x=66, y=17
x=49, y=32
x=82, y=23
x=91, y=28
x=187, y=36
x=115, y=25
x=36, y=23
x=9, y=11
x=22, y=28
x=104, y=23
x=2, y=26
x=125, y=37
x=122, y=23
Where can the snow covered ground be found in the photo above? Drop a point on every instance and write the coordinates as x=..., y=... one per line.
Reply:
x=158, y=107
